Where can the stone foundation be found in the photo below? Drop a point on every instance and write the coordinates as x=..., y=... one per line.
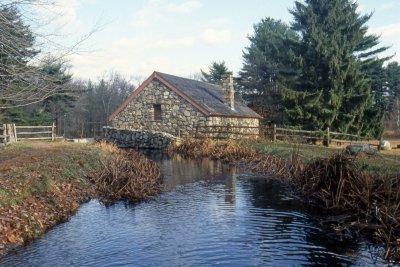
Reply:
x=143, y=139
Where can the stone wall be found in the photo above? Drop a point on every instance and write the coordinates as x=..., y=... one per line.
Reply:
x=179, y=117
x=228, y=127
x=138, y=138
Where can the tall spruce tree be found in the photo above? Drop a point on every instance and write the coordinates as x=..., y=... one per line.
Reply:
x=392, y=72
x=333, y=90
x=268, y=67
x=16, y=50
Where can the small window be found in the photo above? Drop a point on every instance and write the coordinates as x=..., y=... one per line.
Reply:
x=157, y=112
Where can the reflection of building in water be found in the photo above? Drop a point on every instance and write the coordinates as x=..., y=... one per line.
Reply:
x=180, y=171
x=230, y=186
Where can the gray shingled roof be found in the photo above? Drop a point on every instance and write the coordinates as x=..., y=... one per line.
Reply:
x=208, y=96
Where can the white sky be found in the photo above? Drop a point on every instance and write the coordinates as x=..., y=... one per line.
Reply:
x=180, y=36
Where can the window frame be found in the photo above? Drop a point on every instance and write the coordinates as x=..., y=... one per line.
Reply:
x=157, y=112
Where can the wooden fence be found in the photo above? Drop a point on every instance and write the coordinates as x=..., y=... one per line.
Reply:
x=7, y=133
x=35, y=132
x=10, y=133
x=326, y=137
x=4, y=137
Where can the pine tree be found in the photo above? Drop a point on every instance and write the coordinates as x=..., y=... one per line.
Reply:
x=392, y=72
x=268, y=66
x=333, y=90
x=215, y=72
x=16, y=50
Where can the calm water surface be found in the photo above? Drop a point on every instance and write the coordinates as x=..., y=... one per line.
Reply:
x=209, y=214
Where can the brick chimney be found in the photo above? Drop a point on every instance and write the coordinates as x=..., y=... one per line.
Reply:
x=229, y=91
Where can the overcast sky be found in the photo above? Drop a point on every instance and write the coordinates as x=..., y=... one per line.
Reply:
x=181, y=36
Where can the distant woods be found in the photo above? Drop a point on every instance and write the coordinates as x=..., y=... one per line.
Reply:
x=96, y=102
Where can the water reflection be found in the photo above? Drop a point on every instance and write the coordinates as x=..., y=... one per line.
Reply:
x=210, y=214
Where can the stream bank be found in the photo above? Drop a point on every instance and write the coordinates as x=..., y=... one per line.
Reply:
x=208, y=214
x=364, y=204
x=42, y=184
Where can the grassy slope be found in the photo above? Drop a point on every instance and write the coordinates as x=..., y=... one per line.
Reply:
x=41, y=184
x=385, y=162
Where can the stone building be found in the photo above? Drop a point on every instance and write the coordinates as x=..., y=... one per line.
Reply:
x=186, y=108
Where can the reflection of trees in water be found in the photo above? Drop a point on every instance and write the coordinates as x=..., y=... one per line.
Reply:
x=292, y=219
x=180, y=171
x=280, y=223
x=230, y=187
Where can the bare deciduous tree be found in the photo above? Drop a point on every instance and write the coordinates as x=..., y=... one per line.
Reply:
x=98, y=101
x=22, y=82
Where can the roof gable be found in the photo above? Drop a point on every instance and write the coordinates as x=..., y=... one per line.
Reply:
x=206, y=97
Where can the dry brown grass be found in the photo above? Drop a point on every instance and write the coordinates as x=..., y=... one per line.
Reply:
x=127, y=175
x=223, y=150
x=370, y=203
x=106, y=146
x=234, y=153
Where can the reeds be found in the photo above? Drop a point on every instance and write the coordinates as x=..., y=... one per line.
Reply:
x=127, y=175
x=370, y=205
x=234, y=153
x=109, y=147
x=226, y=151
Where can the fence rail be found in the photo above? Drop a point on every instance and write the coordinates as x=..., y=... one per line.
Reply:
x=46, y=133
x=10, y=133
x=326, y=136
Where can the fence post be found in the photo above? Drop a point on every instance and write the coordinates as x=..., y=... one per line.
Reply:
x=52, y=132
x=274, y=133
x=328, y=138
x=14, y=128
x=5, y=134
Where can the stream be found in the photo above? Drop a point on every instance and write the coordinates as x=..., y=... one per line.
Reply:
x=208, y=214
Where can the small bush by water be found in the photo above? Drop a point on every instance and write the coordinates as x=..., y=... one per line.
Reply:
x=127, y=175
x=369, y=203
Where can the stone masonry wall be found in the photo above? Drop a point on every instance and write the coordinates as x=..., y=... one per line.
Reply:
x=233, y=128
x=138, y=138
x=179, y=118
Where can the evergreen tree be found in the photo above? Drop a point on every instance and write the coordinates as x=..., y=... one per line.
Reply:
x=333, y=90
x=392, y=72
x=268, y=67
x=215, y=73
x=16, y=50
x=58, y=104
x=380, y=91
